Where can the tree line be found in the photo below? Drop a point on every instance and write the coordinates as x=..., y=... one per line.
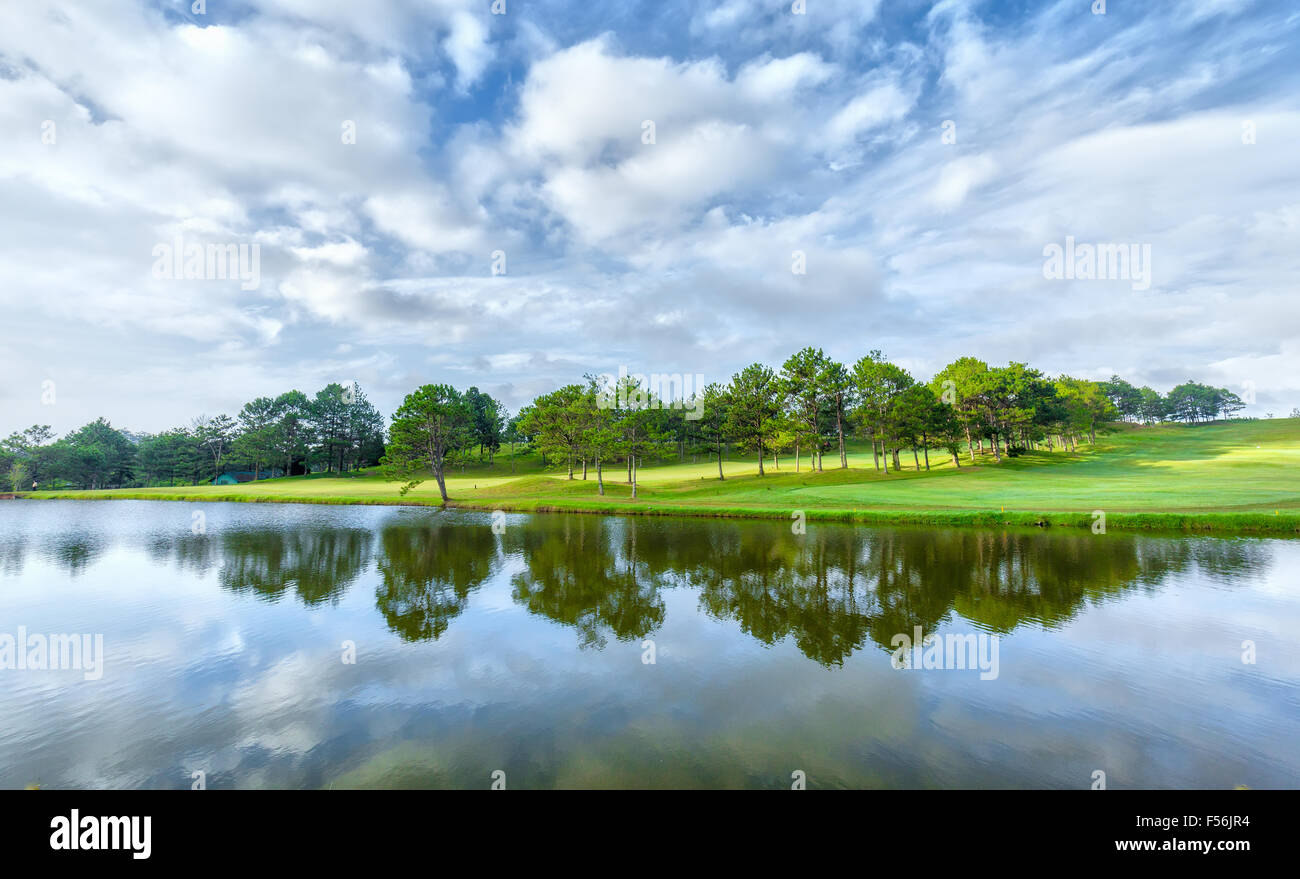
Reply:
x=337, y=430
x=1190, y=401
x=805, y=409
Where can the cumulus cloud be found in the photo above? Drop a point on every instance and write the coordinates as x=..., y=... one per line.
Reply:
x=381, y=154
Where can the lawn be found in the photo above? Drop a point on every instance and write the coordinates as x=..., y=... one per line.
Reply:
x=1221, y=476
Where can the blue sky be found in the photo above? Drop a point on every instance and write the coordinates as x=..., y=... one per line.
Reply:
x=1168, y=125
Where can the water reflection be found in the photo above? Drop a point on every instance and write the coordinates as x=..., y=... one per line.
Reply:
x=776, y=585
x=832, y=591
x=13, y=553
x=427, y=572
x=75, y=552
x=598, y=575
x=224, y=652
x=318, y=564
x=198, y=553
x=834, y=588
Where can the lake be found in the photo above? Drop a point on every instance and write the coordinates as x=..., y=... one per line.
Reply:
x=296, y=646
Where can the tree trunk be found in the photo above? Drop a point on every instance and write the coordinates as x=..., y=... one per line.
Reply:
x=584, y=469
x=839, y=429
x=760, y=457
x=925, y=444
x=916, y=461
x=798, y=457
x=442, y=483
x=720, y=476
x=600, y=481
x=634, y=465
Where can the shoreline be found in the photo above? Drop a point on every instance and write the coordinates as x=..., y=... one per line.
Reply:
x=1216, y=523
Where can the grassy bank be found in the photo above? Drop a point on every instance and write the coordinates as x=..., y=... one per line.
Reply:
x=1242, y=477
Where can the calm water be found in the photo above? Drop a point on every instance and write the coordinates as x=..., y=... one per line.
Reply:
x=526, y=652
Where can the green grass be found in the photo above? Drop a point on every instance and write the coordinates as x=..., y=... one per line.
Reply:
x=1219, y=477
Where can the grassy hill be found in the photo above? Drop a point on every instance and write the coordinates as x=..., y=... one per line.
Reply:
x=1241, y=476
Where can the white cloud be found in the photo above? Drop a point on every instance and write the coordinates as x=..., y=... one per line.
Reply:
x=958, y=178
x=880, y=105
x=773, y=133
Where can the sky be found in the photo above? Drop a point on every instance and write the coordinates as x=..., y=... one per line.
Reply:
x=438, y=193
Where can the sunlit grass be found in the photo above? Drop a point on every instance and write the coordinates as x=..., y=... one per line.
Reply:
x=1249, y=469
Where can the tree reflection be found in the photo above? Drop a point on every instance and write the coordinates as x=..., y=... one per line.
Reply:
x=76, y=551
x=428, y=571
x=597, y=574
x=190, y=552
x=830, y=591
x=13, y=553
x=319, y=564
x=836, y=587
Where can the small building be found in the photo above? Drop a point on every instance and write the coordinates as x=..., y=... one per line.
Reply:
x=234, y=477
